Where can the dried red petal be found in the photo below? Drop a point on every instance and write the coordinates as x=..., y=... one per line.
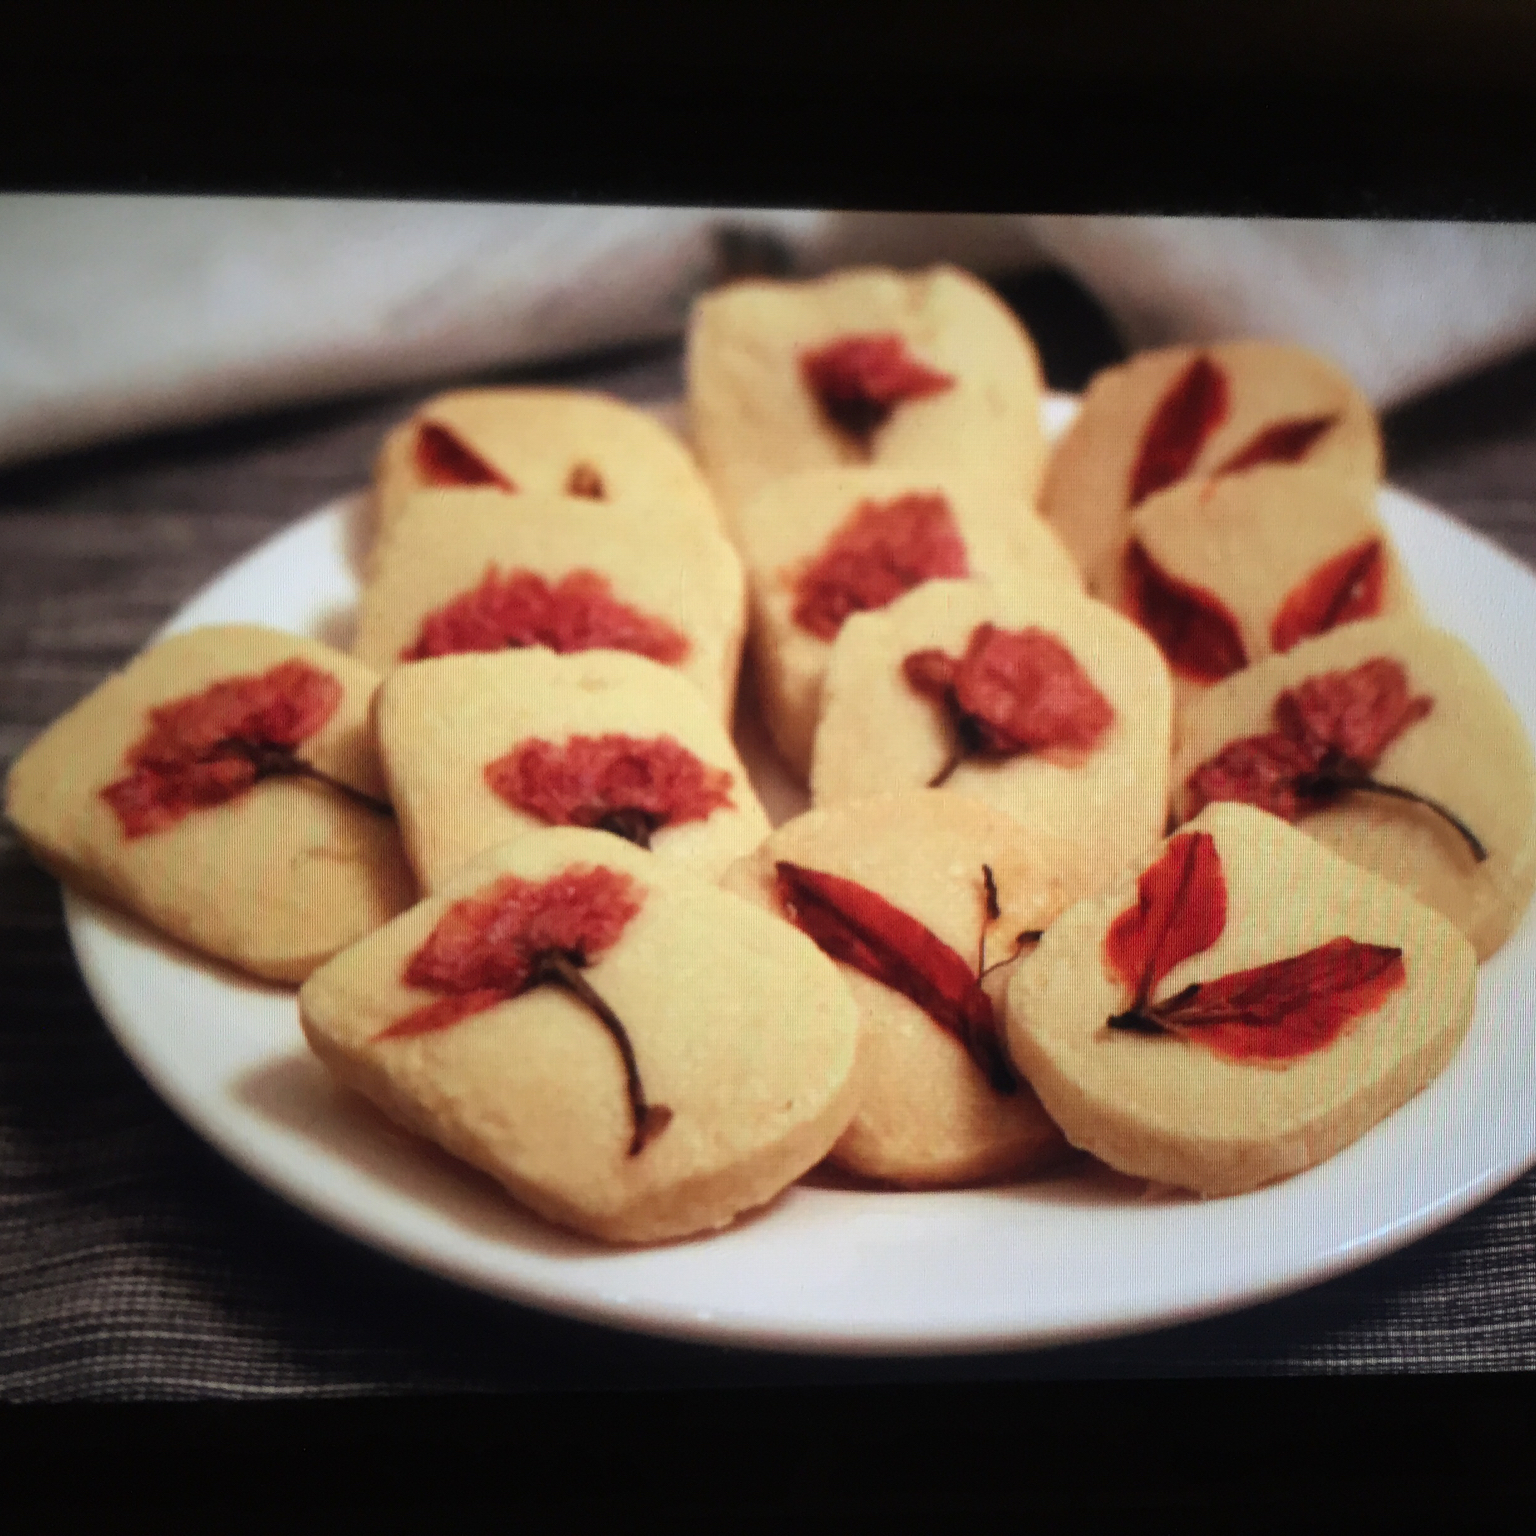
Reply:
x=1026, y=692
x=1196, y=633
x=1357, y=714
x=590, y=777
x=852, y=924
x=579, y=613
x=1290, y=1007
x=1181, y=909
x=858, y=381
x=1192, y=408
x=191, y=757
x=1342, y=589
x=881, y=551
x=444, y=458
x=483, y=949
x=1255, y=770
x=1282, y=442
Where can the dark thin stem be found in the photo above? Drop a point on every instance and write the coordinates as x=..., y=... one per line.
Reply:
x=1332, y=782
x=634, y=826
x=990, y=913
x=273, y=762
x=649, y=1120
x=957, y=755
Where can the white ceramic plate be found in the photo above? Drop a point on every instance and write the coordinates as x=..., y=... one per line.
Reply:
x=824, y=1269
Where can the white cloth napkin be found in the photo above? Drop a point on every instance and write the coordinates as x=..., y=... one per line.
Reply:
x=119, y=314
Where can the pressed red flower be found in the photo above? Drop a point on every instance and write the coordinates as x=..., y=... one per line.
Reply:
x=881, y=551
x=1342, y=589
x=1181, y=909
x=1272, y=1012
x=1282, y=442
x=517, y=934
x=1191, y=409
x=1013, y=691
x=852, y=924
x=208, y=748
x=444, y=458
x=858, y=381
x=1192, y=627
x=577, y=613
x=1330, y=732
x=622, y=784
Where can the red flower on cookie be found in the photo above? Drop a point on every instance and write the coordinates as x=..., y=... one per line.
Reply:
x=880, y=552
x=208, y=748
x=1013, y=691
x=852, y=924
x=1272, y=1012
x=1330, y=732
x=858, y=381
x=517, y=934
x=620, y=784
x=1189, y=413
x=577, y=613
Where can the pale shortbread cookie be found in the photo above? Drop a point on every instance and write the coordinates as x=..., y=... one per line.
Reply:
x=443, y=544
x=441, y=722
x=1166, y=1108
x=927, y=1116
x=739, y=1025
x=753, y=418
x=1281, y=549
x=1088, y=483
x=877, y=733
x=275, y=880
x=1470, y=753
x=787, y=527
x=552, y=441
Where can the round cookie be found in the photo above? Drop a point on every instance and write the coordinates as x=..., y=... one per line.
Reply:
x=1223, y=573
x=934, y=371
x=826, y=543
x=928, y=1116
x=479, y=749
x=1106, y=783
x=1176, y=1089
x=1466, y=749
x=552, y=441
x=191, y=824
x=1195, y=411
x=456, y=553
x=743, y=1036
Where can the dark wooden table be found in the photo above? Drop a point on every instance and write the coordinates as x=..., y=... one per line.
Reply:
x=135, y=1262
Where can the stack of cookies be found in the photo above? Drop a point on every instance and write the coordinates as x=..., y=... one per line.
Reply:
x=1139, y=825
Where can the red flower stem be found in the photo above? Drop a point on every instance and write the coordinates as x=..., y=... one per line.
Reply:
x=649, y=1120
x=1332, y=781
x=272, y=762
